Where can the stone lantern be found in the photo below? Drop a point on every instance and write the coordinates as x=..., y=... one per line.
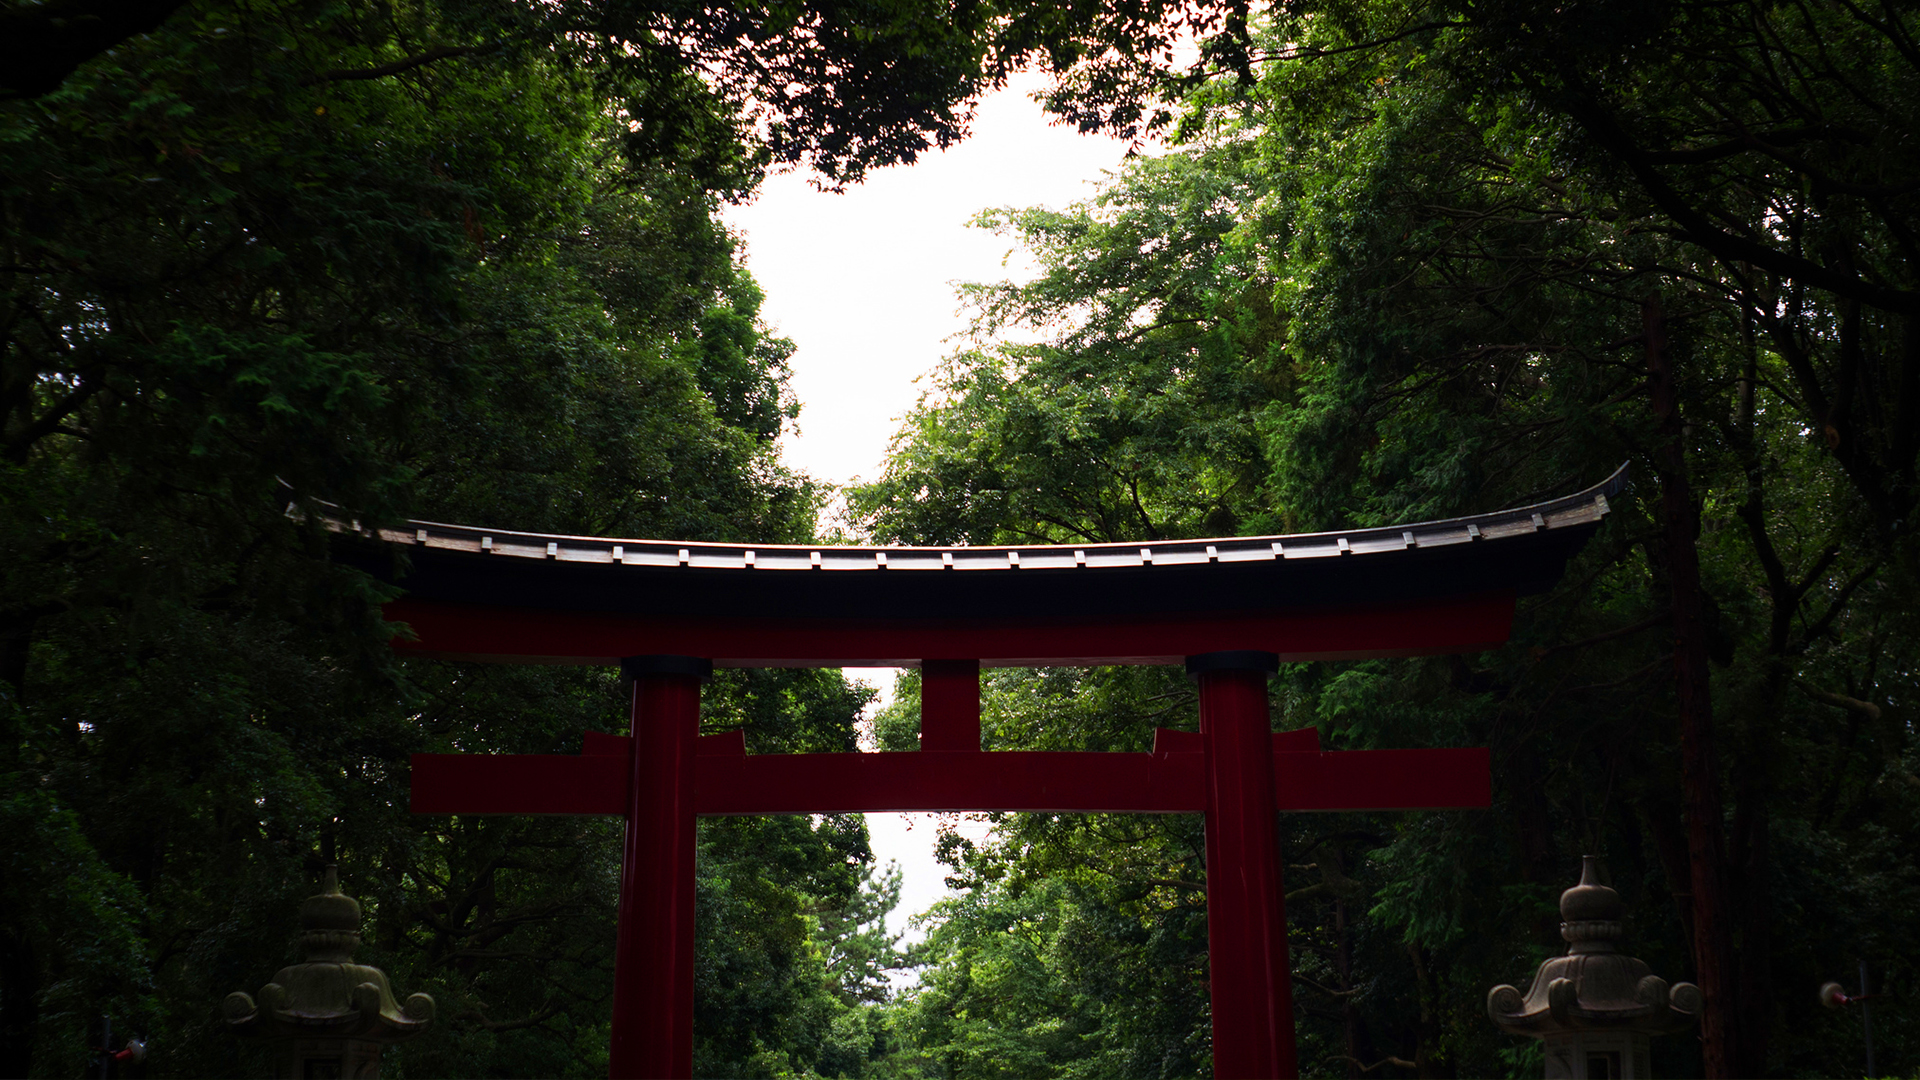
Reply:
x=328, y=1017
x=1595, y=1006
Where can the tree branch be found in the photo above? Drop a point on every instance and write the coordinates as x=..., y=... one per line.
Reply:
x=1648, y=623
x=1865, y=708
x=535, y=1020
x=1839, y=603
x=438, y=52
x=1315, y=54
x=49, y=422
x=1697, y=228
x=1388, y=1060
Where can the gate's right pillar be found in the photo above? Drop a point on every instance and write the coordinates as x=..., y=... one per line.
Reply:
x=1249, y=979
x=653, y=952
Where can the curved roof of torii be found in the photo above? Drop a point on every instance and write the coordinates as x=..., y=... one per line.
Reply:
x=1428, y=587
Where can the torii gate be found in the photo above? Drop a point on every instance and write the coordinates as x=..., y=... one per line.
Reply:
x=1229, y=609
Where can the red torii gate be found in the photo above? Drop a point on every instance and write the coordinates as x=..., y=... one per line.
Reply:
x=1229, y=609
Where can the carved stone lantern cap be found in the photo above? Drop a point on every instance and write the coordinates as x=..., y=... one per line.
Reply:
x=329, y=995
x=1594, y=987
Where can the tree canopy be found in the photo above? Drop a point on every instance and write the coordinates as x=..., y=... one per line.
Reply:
x=254, y=260
x=1403, y=260
x=1415, y=260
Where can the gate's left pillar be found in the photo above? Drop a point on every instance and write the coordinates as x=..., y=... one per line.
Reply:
x=653, y=958
x=1248, y=971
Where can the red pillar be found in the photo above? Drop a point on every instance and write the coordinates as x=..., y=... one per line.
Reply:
x=653, y=957
x=1246, y=899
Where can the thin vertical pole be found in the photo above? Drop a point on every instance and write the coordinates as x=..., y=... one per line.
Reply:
x=653, y=955
x=1249, y=978
x=1866, y=1019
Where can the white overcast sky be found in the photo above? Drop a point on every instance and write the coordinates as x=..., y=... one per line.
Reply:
x=863, y=282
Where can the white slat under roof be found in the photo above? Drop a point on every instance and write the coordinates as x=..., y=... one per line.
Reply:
x=1512, y=552
x=1583, y=509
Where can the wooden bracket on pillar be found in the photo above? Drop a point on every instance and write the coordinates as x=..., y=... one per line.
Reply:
x=635, y=667
x=950, y=706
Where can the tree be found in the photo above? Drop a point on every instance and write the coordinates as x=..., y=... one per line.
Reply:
x=1460, y=281
x=450, y=261
x=1582, y=135
x=452, y=291
x=1133, y=419
x=718, y=89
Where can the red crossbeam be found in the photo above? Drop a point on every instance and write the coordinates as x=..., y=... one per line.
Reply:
x=1162, y=783
x=660, y=782
x=483, y=632
x=1443, y=587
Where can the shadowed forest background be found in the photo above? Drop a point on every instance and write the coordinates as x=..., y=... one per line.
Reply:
x=1401, y=259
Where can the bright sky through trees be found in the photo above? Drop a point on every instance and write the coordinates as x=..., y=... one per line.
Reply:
x=1433, y=258
x=862, y=281
x=863, y=284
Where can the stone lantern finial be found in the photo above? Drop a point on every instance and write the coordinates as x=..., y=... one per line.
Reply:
x=1594, y=1007
x=328, y=1015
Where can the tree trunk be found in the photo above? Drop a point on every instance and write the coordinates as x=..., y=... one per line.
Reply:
x=1349, y=1019
x=1699, y=778
x=19, y=1001
x=1749, y=862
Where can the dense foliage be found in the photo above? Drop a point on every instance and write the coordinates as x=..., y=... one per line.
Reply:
x=1408, y=259
x=260, y=258
x=1424, y=259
